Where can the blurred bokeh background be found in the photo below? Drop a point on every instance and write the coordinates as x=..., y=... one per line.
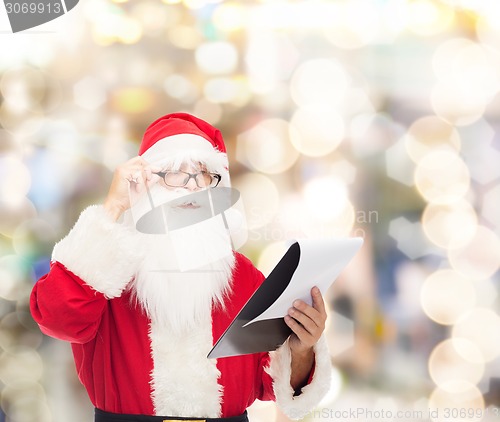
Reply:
x=372, y=118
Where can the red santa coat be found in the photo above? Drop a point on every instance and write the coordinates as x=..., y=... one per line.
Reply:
x=127, y=364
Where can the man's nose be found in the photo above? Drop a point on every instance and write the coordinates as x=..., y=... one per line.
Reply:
x=191, y=185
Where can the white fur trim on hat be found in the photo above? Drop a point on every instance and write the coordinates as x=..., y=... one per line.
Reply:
x=174, y=150
x=297, y=407
x=101, y=252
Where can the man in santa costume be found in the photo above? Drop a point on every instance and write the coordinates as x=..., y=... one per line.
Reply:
x=140, y=326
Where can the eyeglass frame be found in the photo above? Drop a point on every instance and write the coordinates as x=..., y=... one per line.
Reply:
x=217, y=176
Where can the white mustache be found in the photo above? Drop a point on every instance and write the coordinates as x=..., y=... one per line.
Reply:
x=156, y=196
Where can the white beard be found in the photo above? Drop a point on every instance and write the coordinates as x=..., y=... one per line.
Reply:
x=180, y=300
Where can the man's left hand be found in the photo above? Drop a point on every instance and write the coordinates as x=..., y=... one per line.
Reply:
x=307, y=322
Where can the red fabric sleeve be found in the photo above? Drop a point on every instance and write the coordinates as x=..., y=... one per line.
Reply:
x=311, y=374
x=267, y=391
x=65, y=307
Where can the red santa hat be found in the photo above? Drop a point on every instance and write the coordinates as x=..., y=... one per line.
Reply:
x=180, y=137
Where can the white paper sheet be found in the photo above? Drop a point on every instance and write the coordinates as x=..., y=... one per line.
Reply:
x=321, y=261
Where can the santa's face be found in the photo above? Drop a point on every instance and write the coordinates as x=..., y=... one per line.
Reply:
x=178, y=197
x=188, y=178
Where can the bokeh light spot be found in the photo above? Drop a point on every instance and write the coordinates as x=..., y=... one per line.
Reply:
x=329, y=210
x=353, y=24
x=442, y=177
x=266, y=147
x=319, y=81
x=429, y=134
x=20, y=364
x=429, y=18
x=459, y=398
x=480, y=326
x=22, y=88
x=449, y=225
x=15, y=180
x=226, y=90
x=446, y=296
x=320, y=130
x=468, y=78
x=180, y=87
x=446, y=364
x=480, y=257
x=89, y=93
x=230, y=16
x=409, y=237
x=12, y=215
x=326, y=197
x=217, y=57
x=133, y=100
x=184, y=36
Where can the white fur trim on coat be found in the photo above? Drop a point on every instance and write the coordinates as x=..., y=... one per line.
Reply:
x=184, y=382
x=280, y=370
x=101, y=252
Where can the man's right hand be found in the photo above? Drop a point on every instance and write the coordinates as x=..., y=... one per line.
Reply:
x=129, y=179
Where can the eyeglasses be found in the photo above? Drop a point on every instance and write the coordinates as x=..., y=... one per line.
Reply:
x=179, y=179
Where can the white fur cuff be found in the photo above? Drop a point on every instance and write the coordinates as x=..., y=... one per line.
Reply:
x=101, y=252
x=280, y=370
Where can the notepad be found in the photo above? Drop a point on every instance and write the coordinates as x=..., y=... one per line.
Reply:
x=259, y=326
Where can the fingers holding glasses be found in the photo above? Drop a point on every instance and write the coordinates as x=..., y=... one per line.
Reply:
x=150, y=173
x=129, y=178
x=139, y=174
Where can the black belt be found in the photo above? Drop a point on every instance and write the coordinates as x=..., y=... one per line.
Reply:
x=102, y=416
